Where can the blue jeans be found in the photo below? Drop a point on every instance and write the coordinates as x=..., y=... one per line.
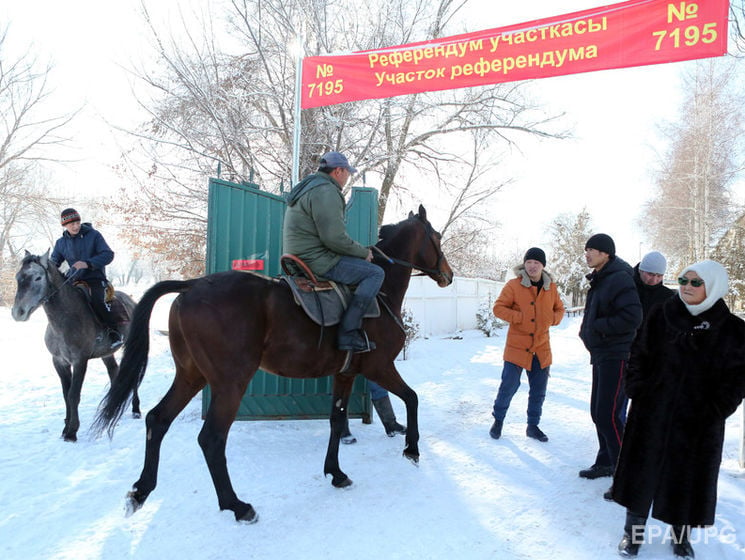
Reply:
x=368, y=277
x=538, y=380
x=376, y=391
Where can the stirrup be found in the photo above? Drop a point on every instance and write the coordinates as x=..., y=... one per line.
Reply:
x=114, y=338
x=355, y=341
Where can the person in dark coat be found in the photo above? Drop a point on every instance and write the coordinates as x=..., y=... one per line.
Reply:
x=648, y=276
x=686, y=375
x=612, y=315
x=87, y=255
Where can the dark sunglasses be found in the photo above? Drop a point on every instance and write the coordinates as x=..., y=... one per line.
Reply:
x=696, y=282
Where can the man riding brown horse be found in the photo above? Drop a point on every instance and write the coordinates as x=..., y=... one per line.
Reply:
x=314, y=231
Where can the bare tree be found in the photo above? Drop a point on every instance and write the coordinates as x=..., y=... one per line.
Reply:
x=730, y=251
x=28, y=133
x=569, y=235
x=737, y=27
x=233, y=106
x=692, y=208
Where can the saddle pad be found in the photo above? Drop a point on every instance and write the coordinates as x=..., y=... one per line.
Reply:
x=325, y=306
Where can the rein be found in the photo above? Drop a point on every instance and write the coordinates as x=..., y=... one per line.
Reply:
x=56, y=290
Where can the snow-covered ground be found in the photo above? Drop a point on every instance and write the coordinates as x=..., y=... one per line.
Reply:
x=470, y=497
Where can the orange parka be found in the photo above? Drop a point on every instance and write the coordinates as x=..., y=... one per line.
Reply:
x=530, y=315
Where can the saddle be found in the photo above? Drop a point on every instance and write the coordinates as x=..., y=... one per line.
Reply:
x=324, y=301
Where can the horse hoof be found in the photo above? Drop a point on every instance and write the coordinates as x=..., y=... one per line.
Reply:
x=412, y=457
x=70, y=437
x=339, y=482
x=248, y=517
x=136, y=415
x=131, y=504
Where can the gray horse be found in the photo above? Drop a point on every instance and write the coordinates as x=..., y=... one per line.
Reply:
x=74, y=335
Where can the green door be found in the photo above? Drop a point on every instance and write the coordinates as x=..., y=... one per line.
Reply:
x=244, y=230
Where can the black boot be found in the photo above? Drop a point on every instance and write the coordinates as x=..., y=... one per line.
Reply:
x=496, y=429
x=681, y=542
x=385, y=412
x=350, y=335
x=114, y=338
x=633, y=534
x=533, y=431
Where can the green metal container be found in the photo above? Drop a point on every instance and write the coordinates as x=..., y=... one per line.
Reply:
x=244, y=230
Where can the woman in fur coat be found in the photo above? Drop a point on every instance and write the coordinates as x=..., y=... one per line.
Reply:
x=686, y=375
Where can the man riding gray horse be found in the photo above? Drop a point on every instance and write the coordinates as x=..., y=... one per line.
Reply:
x=87, y=255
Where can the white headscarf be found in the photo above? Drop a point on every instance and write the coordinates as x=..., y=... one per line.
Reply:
x=716, y=284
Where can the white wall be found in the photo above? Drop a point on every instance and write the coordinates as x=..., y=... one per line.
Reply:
x=446, y=310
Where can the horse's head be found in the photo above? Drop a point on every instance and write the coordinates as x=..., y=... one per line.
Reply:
x=417, y=239
x=32, y=285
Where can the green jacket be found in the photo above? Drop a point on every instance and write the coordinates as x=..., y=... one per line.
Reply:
x=314, y=227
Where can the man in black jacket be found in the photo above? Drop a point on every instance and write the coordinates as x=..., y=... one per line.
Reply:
x=648, y=275
x=613, y=312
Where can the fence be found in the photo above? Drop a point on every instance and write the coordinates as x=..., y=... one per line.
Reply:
x=446, y=310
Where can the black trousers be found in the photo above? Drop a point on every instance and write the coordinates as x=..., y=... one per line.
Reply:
x=100, y=307
x=608, y=408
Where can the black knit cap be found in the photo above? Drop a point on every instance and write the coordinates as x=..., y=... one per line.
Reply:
x=535, y=254
x=602, y=242
x=68, y=216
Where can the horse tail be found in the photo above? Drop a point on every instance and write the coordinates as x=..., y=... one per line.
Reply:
x=134, y=360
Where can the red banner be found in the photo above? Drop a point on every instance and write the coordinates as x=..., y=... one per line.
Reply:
x=634, y=33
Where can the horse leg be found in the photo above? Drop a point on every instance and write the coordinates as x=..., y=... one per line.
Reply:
x=65, y=376
x=341, y=391
x=71, y=387
x=212, y=439
x=113, y=369
x=391, y=380
x=157, y=422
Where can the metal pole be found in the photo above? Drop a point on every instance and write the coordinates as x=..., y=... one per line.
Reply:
x=297, y=124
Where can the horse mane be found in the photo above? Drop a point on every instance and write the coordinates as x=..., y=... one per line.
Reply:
x=31, y=258
x=389, y=231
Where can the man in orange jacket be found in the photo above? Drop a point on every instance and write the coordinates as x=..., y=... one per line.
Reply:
x=530, y=303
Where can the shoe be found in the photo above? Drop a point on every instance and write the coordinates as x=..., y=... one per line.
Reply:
x=596, y=471
x=355, y=341
x=627, y=547
x=115, y=339
x=683, y=550
x=350, y=336
x=496, y=429
x=385, y=412
x=348, y=439
x=608, y=494
x=394, y=429
x=346, y=435
x=681, y=544
x=535, y=432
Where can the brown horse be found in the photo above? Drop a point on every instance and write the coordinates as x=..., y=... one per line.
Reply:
x=225, y=326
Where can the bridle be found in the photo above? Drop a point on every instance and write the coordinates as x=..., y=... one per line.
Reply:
x=423, y=271
x=56, y=289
